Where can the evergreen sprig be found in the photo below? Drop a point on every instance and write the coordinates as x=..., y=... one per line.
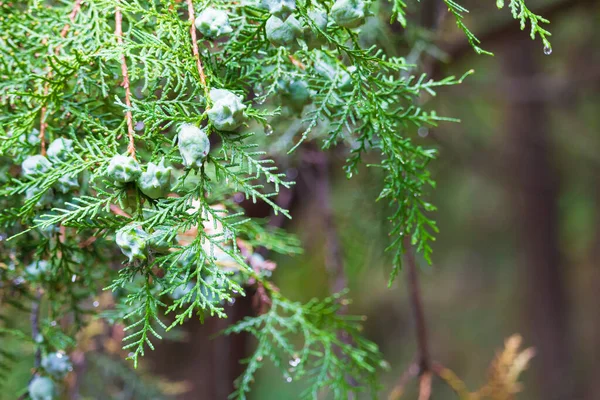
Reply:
x=523, y=14
x=519, y=11
x=340, y=364
x=97, y=98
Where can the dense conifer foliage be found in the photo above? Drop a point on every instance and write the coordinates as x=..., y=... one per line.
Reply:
x=131, y=129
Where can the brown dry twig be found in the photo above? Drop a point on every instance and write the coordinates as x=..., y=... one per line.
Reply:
x=118, y=211
x=423, y=365
x=453, y=381
x=261, y=300
x=296, y=62
x=195, y=51
x=425, y=386
x=125, y=84
x=398, y=390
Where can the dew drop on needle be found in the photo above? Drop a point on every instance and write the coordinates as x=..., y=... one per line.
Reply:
x=268, y=130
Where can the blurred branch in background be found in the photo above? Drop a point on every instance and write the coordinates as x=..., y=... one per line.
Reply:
x=422, y=367
x=536, y=192
x=35, y=327
x=317, y=165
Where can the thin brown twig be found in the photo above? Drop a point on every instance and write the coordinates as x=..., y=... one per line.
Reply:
x=261, y=300
x=76, y=8
x=412, y=280
x=35, y=327
x=297, y=62
x=125, y=84
x=425, y=386
x=195, y=51
x=398, y=390
x=88, y=242
x=42, y=122
x=118, y=211
x=422, y=367
x=453, y=381
x=63, y=34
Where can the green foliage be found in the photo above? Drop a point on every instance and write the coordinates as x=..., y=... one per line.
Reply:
x=311, y=341
x=459, y=12
x=518, y=9
x=521, y=13
x=111, y=89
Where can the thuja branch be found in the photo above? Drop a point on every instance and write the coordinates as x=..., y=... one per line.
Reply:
x=35, y=326
x=179, y=186
x=72, y=16
x=63, y=34
x=125, y=83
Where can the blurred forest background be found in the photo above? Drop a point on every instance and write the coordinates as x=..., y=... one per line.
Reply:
x=518, y=202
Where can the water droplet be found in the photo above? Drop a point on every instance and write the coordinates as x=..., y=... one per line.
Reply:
x=423, y=131
x=259, y=358
x=288, y=379
x=73, y=278
x=139, y=126
x=547, y=50
x=130, y=355
x=59, y=355
x=238, y=197
x=295, y=362
x=96, y=304
x=258, y=90
x=268, y=130
x=231, y=302
x=53, y=323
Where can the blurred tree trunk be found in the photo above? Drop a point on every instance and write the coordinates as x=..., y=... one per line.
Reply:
x=535, y=191
x=593, y=383
x=316, y=167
